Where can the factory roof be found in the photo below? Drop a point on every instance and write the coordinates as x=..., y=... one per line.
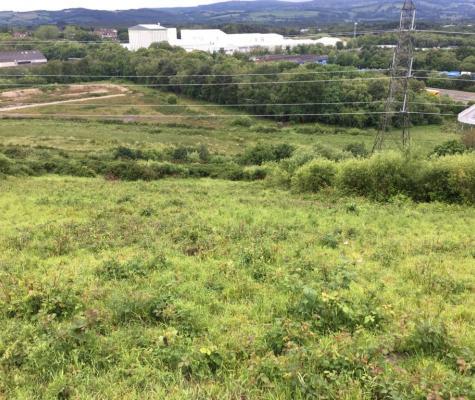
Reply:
x=19, y=56
x=148, y=27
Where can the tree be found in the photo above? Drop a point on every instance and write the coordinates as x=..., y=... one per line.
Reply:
x=47, y=32
x=468, y=64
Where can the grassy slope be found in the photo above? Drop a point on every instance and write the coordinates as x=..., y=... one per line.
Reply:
x=233, y=258
x=96, y=135
x=211, y=266
x=218, y=133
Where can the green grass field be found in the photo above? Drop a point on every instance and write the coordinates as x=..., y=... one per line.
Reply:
x=206, y=289
x=219, y=289
x=95, y=135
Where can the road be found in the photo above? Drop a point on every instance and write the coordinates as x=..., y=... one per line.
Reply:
x=457, y=95
x=52, y=103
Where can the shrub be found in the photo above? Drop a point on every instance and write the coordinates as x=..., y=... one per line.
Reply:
x=137, y=267
x=449, y=148
x=278, y=176
x=141, y=308
x=468, y=139
x=357, y=149
x=5, y=164
x=128, y=171
x=123, y=152
x=261, y=153
x=164, y=169
x=255, y=173
x=203, y=153
x=429, y=338
x=244, y=122
x=266, y=129
x=330, y=312
x=314, y=176
x=59, y=302
x=172, y=99
x=180, y=154
x=331, y=153
x=462, y=175
x=435, y=184
x=380, y=177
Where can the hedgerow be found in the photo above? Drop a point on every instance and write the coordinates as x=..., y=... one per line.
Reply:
x=381, y=177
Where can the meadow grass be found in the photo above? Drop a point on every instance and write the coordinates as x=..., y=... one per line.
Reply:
x=210, y=289
x=96, y=135
x=213, y=289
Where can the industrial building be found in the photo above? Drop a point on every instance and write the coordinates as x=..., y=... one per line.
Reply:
x=21, y=58
x=143, y=35
x=215, y=40
x=297, y=59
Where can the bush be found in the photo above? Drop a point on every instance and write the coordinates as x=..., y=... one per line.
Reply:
x=449, y=148
x=461, y=175
x=331, y=153
x=330, y=312
x=123, y=152
x=255, y=173
x=5, y=164
x=314, y=176
x=449, y=179
x=278, y=176
x=203, y=153
x=380, y=177
x=162, y=170
x=137, y=267
x=172, y=99
x=180, y=154
x=243, y=122
x=429, y=338
x=468, y=139
x=128, y=171
x=266, y=129
x=261, y=153
x=357, y=149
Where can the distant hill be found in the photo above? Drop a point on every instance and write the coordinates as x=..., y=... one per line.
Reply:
x=266, y=12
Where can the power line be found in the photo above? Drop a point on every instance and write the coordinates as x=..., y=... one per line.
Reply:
x=203, y=84
x=347, y=71
x=236, y=83
x=445, y=32
x=20, y=115
x=71, y=104
x=194, y=75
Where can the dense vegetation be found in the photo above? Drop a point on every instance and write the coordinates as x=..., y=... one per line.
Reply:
x=357, y=97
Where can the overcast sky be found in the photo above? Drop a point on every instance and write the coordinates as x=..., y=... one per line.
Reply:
x=28, y=5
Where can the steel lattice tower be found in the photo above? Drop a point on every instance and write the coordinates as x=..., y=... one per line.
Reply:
x=400, y=74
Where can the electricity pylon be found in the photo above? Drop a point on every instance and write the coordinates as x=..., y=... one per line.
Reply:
x=400, y=74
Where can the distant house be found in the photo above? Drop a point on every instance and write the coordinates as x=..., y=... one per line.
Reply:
x=20, y=35
x=298, y=59
x=105, y=33
x=20, y=58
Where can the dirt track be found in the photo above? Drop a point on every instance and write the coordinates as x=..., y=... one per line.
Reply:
x=52, y=103
x=456, y=95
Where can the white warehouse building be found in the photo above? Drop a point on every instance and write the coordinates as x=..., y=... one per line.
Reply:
x=142, y=36
x=215, y=40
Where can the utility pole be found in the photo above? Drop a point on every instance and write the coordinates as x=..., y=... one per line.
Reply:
x=400, y=75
